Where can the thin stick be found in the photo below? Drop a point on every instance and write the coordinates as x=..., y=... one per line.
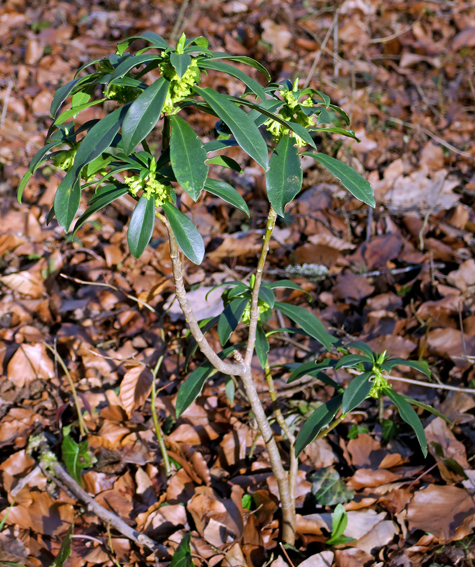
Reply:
x=83, y=430
x=254, y=316
x=156, y=423
x=105, y=515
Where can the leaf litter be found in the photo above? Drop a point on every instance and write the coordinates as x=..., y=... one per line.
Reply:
x=402, y=280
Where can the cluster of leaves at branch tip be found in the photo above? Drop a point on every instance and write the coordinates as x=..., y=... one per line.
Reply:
x=65, y=158
x=151, y=187
x=380, y=383
x=293, y=111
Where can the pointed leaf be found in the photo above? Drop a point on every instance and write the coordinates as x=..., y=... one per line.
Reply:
x=130, y=62
x=314, y=369
x=141, y=226
x=73, y=112
x=181, y=62
x=41, y=156
x=255, y=87
x=267, y=295
x=352, y=360
x=227, y=193
x=309, y=323
x=408, y=415
x=362, y=347
x=23, y=184
x=224, y=161
x=66, y=202
x=143, y=114
x=155, y=39
x=65, y=549
x=419, y=365
x=186, y=234
x=182, y=556
x=76, y=456
x=319, y=419
x=262, y=345
x=243, y=128
x=243, y=59
x=357, y=391
x=187, y=156
x=284, y=178
x=428, y=408
x=287, y=284
x=61, y=95
x=230, y=317
x=350, y=179
x=100, y=200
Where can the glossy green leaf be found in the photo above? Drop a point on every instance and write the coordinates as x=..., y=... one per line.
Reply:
x=66, y=203
x=41, y=156
x=428, y=408
x=227, y=193
x=328, y=488
x=61, y=95
x=192, y=387
x=189, y=239
x=262, y=345
x=350, y=179
x=225, y=161
x=130, y=62
x=267, y=295
x=65, y=549
x=243, y=128
x=205, y=326
x=419, y=365
x=284, y=178
x=255, y=87
x=141, y=226
x=315, y=369
x=356, y=392
x=339, y=523
x=362, y=347
x=352, y=360
x=75, y=456
x=287, y=284
x=309, y=323
x=187, y=156
x=335, y=130
x=182, y=556
x=23, y=184
x=143, y=114
x=73, y=112
x=243, y=59
x=319, y=419
x=155, y=39
x=181, y=62
x=105, y=196
x=408, y=415
x=230, y=317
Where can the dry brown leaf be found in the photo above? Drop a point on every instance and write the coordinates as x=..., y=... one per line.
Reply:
x=441, y=511
x=438, y=433
x=367, y=478
x=135, y=388
x=323, y=559
x=29, y=363
x=24, y=283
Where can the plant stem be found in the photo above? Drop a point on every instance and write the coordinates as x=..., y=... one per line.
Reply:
x=254, y=316
x=83, y=430
x=166, y=134
x=156, y=423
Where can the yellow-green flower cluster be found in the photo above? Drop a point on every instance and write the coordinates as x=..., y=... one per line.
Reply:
x=262, y=306
x=122, y=93
x=65, y=159
x=379, y=381
x=179, y=88
x=151, y=188
x=292, y=113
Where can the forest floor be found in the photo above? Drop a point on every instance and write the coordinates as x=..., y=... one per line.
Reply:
x=400, y=277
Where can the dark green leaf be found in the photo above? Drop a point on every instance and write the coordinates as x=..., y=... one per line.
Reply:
x=40, y=156
x=155, y=39
x=267, y=295
x=335, y=130
x=61, y=95
x=230, y=389
x=243, y=128
x=219, y=145
x=73, y=112
x=181, y=62
x=23, y=184
x=357, y=391
x=75, y=456
x=287, y=284
x=234, y=72
x=227, y=193
x=186, y=234
x=309, y=323
x=315, y=369
x=339, y=523
x=192, y=386
x=328, y=488
x=350, y=179
x=230, y=317
x=141, y=226
x=362, y=347
x=262, y=345
x=428, y=408
x=187, y=156
x=284, y=178
x=225, y=161
x=352, y=360
x=131, y=62
x=65, y=549
x=105, y=196
x=419, y=365
x=144, y=114
x=205, y=326
x=408, y=415
x=243, y=59
x=319, y=419
x=390, y=430
x=182, y=556
x=66, y=202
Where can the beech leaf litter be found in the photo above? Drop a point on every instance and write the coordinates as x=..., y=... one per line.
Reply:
x=86, y=312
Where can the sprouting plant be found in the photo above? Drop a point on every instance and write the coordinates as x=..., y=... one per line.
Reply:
x=274, y=125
